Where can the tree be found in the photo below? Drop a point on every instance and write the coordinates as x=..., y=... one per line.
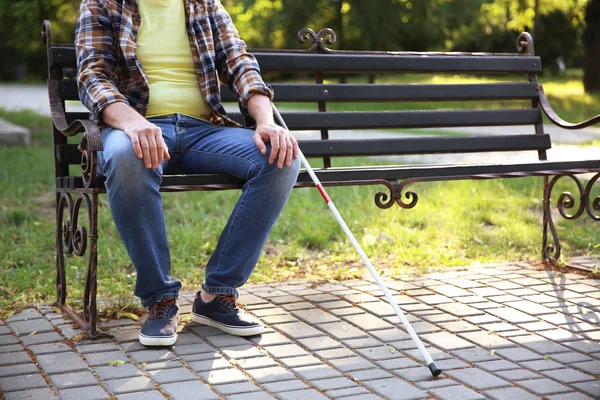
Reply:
x=556, y=26
x=591, y=40
x=21, y=48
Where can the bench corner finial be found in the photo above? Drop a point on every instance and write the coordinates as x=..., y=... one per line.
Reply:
x=525, y=44
x=318, y=41
x=47, y=32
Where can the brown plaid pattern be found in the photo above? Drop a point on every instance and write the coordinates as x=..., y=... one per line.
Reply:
x=109, y=72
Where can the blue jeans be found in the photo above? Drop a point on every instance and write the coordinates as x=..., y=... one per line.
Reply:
x=195, y=147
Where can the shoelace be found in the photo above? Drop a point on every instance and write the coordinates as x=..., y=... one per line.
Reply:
x=228, y=300
x=161, y=309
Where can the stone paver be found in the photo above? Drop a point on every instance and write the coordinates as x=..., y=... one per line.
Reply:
x=394, y=388
x=22, y=382
x=88, y=393
x=505, y=331
x=457, y=392
x=190, y=390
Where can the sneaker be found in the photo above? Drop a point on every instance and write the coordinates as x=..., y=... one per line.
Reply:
x=223, y=313
x=160, y=328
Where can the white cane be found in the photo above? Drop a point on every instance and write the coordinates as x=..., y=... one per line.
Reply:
x=435, y=370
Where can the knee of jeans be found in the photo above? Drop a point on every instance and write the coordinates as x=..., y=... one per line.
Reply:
x=122, y=166
x=285, y=173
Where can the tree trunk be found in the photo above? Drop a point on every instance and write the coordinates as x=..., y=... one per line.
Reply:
x=591, y=40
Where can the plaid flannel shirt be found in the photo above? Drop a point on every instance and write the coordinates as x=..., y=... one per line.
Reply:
x=109, y=71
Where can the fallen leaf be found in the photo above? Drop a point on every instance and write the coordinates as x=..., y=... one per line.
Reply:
x=392, y=349
x=132, y=316
x=32, y=333
x=78, y=338
x=114, y=363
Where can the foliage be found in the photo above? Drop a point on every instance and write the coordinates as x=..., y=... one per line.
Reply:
x=592, y=47
x=21, y=48
x=416, y=25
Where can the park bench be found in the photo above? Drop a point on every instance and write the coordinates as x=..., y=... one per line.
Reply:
x=78, y=186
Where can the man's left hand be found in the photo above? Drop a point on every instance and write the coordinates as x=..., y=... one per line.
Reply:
x=284, y=146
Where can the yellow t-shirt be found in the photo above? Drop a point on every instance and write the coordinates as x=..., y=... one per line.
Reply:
x=163, y=49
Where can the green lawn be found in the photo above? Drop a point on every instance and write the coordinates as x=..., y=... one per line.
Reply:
x=454, y=223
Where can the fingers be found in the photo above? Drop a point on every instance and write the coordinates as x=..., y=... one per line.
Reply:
x=152, y=151
x=284, y=146
x=274, y=139
x=148, y=143
x=137, y=149
x=259, y=143
x=290, y=151
x=296, y=148
x=283, y=150
x=145, y=150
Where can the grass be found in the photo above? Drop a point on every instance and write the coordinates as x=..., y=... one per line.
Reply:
x=454, y=223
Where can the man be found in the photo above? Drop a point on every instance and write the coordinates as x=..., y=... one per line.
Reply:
x=148, y=70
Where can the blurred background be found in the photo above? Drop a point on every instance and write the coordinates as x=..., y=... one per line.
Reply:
x=566, y=32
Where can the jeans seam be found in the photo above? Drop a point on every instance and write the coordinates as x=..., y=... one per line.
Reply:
x=228, y=156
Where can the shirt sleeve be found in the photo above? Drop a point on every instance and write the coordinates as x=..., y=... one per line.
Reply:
x=236, y=67
x=97, y=58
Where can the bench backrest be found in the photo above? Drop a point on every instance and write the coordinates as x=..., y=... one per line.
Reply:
x=324, y=66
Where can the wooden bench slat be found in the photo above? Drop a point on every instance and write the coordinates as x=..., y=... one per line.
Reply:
x=382, y=92
x=406, y=119
x=63, y=56
x=376, y=63
x=367, y=92
x=393, y=119
x=401, y=146
x=425, y=145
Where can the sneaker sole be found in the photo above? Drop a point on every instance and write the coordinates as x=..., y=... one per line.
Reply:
x=232, y=330
x=157, y=340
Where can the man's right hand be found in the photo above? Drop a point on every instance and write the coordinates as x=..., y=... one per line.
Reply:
x=146, y=138
x=148, y=143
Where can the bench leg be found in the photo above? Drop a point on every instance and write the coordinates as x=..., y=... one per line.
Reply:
x=569, y=207
x=89, y=300
x=72, y=238
x=550, y=245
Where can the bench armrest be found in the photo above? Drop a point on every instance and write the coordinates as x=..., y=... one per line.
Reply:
x=551, y=114
x=91, y=137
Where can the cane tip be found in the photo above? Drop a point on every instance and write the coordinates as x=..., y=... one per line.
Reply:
x=435, y=370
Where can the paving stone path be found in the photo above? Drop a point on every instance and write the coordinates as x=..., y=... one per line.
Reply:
x=504, y=331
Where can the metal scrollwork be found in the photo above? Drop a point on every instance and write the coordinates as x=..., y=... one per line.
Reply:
x=73, y=237
x=88, y=164
x=385, y=200
x=525, y=44
x=317, y=40
x=592, y=206
x=566, y=200
x=550, y=251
